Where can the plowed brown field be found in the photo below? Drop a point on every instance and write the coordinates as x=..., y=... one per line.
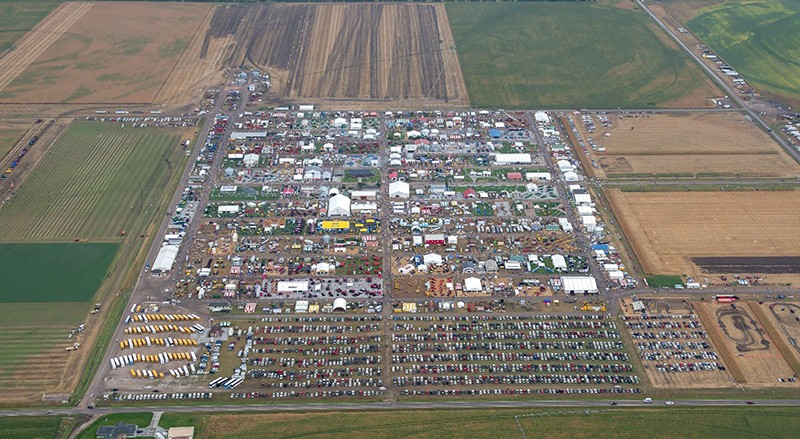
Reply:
x=365, y=52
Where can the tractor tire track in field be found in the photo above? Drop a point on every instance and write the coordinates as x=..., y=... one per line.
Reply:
x=39, y=39
x=365, y=52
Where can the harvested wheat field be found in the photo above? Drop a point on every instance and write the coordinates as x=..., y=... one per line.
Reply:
x=101, y=53
x=698, y=144
x=667, y=229
x=214, y=47
x=357, y=53
x=743, y=341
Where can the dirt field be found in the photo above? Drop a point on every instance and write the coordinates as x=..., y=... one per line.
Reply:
x=689, y=144
x=350, y=53
x=666, y=229
x=210, y=51
x=784, y=317
x=100, y=53
x=747, y=343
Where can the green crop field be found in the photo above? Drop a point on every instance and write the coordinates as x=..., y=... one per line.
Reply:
x=53, y=272
x=97, y=180
x=760, y=39
x=41, y=427
x=571, y=55
x=18, y=17
x=695, y=422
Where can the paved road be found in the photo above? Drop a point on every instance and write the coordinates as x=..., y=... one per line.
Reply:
x=424, y=405
x=733, y=94
x=146, y=286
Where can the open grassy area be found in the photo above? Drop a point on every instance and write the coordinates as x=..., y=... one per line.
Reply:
x=97, y=180
x=54, y=272
x=140, y=419
x=664, y=281
x=44, y=427
x=18, y=17
x=570, y=55
x=697, y=422
x=8, y=137
x=760, y=39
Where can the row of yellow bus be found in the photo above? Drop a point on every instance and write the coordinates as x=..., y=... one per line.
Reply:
x=164, y=317
x=154, y=329
x=133, y=343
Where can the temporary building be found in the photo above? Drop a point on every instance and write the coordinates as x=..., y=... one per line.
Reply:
x=165, y=258
x=490, y=266
x=582, y=197
x=339, y=304
x=472, y=284
x=513, y=159
x=250, y=160
x=339, y=205
x=541, y=116
x=432, y=259
x=399, y=189
x=579, y=284
x=559, y=263
x=293, y=286
x=564, y=165
x=570, y=176
x=537, y=176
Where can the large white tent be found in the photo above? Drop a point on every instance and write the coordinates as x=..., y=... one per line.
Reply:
x=579, y=284
x=432, y=259
x=339, y=205
x=165, y=258
x=399, y=189
x=472, y=284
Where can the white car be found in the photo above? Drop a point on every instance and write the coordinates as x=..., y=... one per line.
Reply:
x=647, y=400
x=670, y=402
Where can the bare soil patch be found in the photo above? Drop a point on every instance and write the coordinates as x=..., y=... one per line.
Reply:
x=667, y=229
x=686, y=144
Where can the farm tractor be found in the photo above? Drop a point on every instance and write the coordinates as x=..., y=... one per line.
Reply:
x=593, y=308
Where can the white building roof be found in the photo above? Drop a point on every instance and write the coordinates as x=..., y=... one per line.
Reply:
x=165, y=258
x=239, y=135
x=363, y=194
x=513, y=158
x=339, y=304
x=399, y=189
x=579, y=284
x=541, y=116
x=291, y=286
x=339, y=205
x=472, y=284
x=432, y=259
x=558, y=261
